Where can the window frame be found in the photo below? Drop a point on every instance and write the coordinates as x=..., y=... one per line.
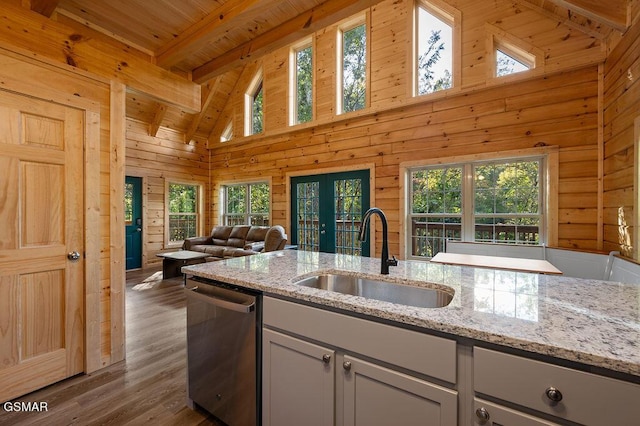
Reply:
x=548, y=198
x=453, y=17
x=227, y=133
x=521, y=50
x=308, y=43
x=199, y=214
x=346, y=26
x=254, y=88
x=224, y=216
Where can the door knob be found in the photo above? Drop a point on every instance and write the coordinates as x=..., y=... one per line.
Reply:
x=138, y=229
x=73, y=256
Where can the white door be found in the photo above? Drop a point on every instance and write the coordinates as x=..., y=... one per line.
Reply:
x=41, y=217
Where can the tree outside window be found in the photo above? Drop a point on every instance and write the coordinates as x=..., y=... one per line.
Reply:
x=183, y=211
x=434, y=52
x=354, y=68
x=507, y=64
x=303, y=85
x=246, y=204
x=257, y=115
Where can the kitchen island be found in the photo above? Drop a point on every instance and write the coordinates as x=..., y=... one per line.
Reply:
x=588, y=325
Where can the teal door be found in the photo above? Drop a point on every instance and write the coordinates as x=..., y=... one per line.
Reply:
x=133, y=221
x=327, y=211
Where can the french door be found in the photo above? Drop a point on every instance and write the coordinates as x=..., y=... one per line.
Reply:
x=326, y=212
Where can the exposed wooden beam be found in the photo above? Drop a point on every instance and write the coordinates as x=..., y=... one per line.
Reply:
x=583, y=25
x=43, y=7
x=43, y=37
x=158, y=116
x=207, y=30
x=304, y=24
x=209, y=91
x=612, y=12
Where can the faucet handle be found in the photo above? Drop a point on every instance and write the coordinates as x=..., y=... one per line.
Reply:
x=393, y=261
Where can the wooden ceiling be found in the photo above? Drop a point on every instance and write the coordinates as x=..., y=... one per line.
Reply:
x=209, y=41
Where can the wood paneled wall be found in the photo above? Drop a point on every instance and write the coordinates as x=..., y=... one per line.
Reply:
x=157, y=159
x=621, y=136
x=554, y=105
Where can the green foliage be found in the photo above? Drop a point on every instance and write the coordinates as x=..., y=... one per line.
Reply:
x=507, y=188
x=428, y=81
x=183, y=198
x=437, y=190
x=304, y=84
x=506, y=64
x=354, y=66
x=257, y=115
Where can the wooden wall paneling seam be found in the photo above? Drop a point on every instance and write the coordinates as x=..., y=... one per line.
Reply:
x=116, y=225
x=600, y=223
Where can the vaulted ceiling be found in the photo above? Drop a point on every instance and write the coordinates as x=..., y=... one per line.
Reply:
x=209, y=41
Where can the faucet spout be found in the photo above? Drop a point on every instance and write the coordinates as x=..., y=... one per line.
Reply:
x=364, y=226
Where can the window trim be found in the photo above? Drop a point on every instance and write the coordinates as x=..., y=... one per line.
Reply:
x=550, y=156
x=308, y=42
x=227, y=133
x=222, y=199
x=257, y=84
x=513, y=46
x=445, y=13
x=347, y=25
x=199, y=209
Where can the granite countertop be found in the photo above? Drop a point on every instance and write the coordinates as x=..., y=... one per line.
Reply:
x=592, y=322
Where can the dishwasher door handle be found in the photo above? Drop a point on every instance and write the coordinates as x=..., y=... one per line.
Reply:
x=246, y=306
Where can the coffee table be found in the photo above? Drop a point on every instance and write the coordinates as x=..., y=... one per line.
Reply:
x=173, y=261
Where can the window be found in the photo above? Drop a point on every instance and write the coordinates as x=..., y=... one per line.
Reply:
x=353, y=68
x=254, y=111
x=504, y=199
x=302, y=87
x=227, y=133
x=508, y=61
x=183, y=212
x=246, y=204
x=434, y=49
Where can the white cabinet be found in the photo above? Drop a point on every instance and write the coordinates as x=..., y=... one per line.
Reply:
x=372, y=395
x=298, y=382
x=358, y=382
x=577, y=396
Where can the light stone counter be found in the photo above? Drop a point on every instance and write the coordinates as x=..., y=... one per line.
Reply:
x=596, y=323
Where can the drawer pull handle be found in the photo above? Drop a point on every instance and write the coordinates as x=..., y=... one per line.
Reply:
x=346, y=365
x=553, y=394
x=483, y=415
x=326, y=358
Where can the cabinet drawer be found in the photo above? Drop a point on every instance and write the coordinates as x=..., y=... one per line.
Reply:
x=585, y=398
x=423, y=353
x=497, y=415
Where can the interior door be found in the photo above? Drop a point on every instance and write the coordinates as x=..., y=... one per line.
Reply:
x=133, y=221
x=327, y=211
x=41, y=243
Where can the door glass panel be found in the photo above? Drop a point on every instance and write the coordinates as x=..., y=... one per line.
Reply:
x=308, y=200
x=348, y=215
x=128, y=203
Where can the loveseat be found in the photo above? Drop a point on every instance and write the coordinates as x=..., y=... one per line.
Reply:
x=239, y=240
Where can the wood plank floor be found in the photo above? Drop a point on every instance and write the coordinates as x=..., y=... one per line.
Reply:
x=148, y=388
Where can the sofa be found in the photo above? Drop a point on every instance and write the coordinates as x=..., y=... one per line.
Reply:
x=239, y=240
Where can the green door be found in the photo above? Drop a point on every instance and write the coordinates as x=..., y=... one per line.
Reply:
x=327, y=210
x=133, y=221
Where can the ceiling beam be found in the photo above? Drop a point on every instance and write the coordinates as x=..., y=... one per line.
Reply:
x=209, y=29
x=158, y=115
x=43, y=7
x=208, y=91
x=42, y=37
x=329, y=12
x=612, y=12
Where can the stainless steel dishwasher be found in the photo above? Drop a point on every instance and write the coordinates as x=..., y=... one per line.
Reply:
x=224, y=326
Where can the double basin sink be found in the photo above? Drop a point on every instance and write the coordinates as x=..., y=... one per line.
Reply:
x=421, y=297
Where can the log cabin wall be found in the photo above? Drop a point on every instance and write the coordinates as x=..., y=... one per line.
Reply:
x=621, y=136
x=158, y=159
x=554, y=105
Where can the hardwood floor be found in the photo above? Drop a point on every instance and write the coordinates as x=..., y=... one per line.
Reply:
x=149, y=387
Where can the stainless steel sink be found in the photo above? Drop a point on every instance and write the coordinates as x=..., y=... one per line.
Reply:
x=380, y=290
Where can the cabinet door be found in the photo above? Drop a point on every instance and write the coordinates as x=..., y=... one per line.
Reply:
x=374, y=395
x=489, y=414
x=298, y=382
